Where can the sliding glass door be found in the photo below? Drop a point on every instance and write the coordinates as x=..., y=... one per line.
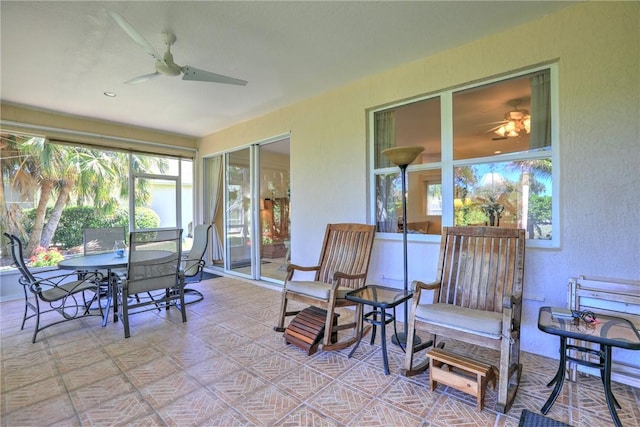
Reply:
x=238, y=218
x=248, y=192
x=275, y=207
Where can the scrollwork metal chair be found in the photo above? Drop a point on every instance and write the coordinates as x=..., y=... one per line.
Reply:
x=65, y=294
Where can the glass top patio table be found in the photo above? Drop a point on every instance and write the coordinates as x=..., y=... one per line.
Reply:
x=607, y=332
x=108, y=261
x=380, y=298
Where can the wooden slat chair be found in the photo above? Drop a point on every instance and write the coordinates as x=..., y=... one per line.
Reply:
x=477, y=299
x=343, y=265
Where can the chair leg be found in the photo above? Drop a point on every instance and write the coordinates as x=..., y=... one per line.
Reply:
x=26, y=307
x=125, y=313
x=183, y=308
x=509, y=357
x=328, y=327
x=283, y=313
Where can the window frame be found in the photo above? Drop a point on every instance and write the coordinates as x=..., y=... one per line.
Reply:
x=178, y=178
x=447, y=164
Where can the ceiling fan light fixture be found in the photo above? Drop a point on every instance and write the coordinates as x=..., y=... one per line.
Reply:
x=517, y=121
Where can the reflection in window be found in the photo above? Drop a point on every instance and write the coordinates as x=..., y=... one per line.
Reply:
x=511, y=194
x=434, y=199
x=510, y=116
x=492, y=144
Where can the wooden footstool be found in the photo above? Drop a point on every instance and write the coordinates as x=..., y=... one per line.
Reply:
x=460, y=372
x=306, y=330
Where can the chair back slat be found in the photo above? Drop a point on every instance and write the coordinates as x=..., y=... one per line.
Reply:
x=346, y=248
x=154, y=260
x=101, y=239
x=479, y=265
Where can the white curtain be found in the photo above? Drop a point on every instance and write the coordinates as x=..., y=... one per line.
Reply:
x=540, y=110
x=213, y=183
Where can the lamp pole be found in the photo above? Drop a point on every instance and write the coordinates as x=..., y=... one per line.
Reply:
x=403, y=157
x=401, y=338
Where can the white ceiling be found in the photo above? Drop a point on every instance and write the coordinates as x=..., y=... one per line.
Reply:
x=62, y=56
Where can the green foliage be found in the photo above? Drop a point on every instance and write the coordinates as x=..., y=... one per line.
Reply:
x=146, y=218
x=540, y=209
x=77, y=218
x=72, y=222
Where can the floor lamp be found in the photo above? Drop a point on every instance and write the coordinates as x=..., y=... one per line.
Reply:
x=403, y=157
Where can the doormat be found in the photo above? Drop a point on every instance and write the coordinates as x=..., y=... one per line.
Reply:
x=529, y=419
x=207, y=276
x=196, y=278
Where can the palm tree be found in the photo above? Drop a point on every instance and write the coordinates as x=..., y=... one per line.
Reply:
x=70, y=174
x=529, y=170
x=49, y=172
x=16, y=170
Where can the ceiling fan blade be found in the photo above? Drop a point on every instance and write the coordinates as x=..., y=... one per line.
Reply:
x=143, y=78
x=135, y=35
x=191, y=73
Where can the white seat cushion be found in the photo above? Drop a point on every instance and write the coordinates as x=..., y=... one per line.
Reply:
x=319, y=290
x=479, y=322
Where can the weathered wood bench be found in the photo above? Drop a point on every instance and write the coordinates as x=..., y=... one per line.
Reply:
x=614, y=297
x=460, y=372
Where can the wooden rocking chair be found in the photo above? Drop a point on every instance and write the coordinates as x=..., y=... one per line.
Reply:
x=343, y=265
x=477, y=299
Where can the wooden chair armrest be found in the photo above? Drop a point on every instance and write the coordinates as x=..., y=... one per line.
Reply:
x=417, y=285
x=511, y=313
x=508, y=301
x=291, y=267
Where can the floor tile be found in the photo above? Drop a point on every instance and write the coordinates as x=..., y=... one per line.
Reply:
x=192, y=409
x=119, y=410
x=226, y=366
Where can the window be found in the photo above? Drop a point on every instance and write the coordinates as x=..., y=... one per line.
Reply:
x=53, y=190
x=487, y=161
x=434, y=199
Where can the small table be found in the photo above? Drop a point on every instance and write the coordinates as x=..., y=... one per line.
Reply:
x=105, y=261
x=380, y=298
x=609, y=332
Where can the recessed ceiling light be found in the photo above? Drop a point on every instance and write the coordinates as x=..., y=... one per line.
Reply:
x=497, y=152
x=110, y=94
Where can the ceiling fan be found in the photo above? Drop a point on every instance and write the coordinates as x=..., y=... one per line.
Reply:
x=516, y=122
x=164, y=64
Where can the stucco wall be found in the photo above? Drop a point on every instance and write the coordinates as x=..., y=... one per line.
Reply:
x=597, y=48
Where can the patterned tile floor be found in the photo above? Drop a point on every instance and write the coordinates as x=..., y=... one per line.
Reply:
x=226, y=366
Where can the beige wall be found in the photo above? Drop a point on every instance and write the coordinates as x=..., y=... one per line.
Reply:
x=98, y=132
x=596, y=46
